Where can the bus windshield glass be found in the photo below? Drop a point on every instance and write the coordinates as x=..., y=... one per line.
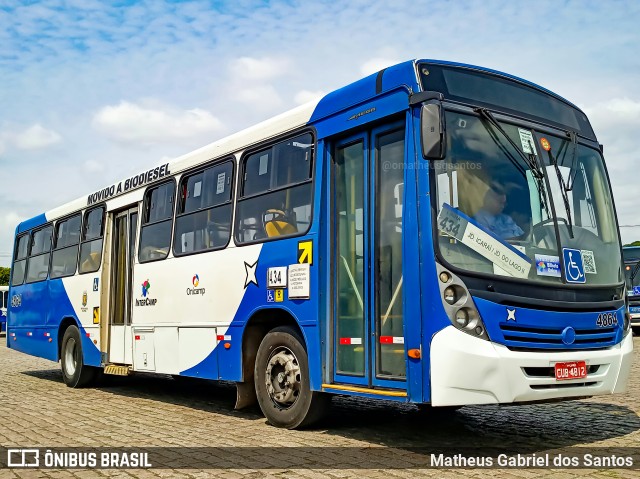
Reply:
x=631, y=256
x=514, y=202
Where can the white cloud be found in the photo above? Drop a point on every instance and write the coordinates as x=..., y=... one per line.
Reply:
x=621, y=111
x=260, y=97
x=35, y=137
x=304, y=96
x=132, y=123
x=92, y=166
x=255, y=69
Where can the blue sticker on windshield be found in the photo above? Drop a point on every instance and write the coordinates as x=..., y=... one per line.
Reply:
x=636, y=290
x=573, y=266
x=547, y=265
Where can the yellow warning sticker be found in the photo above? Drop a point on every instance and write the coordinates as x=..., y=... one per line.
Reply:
x=96, y=315
x=305, y=251
x=279, y=295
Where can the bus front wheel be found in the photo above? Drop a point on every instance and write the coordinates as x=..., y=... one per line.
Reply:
x=282, y=381
x=74, y=372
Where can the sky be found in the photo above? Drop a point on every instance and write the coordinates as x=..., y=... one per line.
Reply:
x=94, y=91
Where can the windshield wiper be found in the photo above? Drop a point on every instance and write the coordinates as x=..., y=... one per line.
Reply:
x=564, y=187
x=573, y=138
x=530, y=160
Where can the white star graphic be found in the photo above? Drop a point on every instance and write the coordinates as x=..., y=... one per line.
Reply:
x=511, y=314
x=250, y=269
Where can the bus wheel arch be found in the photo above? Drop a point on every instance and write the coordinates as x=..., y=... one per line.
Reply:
x=64, y=324
x=74, y=372
x=257, y=327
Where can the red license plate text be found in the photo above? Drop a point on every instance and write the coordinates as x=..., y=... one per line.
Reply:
x=573, y=370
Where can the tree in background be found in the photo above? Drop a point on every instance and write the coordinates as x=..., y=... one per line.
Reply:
x=4, y=276
x=635, y=243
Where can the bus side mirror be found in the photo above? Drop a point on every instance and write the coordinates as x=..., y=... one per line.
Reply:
x=432, y=131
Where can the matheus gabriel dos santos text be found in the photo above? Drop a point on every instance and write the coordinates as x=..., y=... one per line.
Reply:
x=531, y=460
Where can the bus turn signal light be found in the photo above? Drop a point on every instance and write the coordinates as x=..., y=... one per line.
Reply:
x=414, y=353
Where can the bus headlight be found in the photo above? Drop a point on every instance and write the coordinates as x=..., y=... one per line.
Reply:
x=459, y=305
x=449, y=295
x=454, y=294
x=462, y=317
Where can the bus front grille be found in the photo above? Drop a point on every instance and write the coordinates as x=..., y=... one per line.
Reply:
x=530, y=337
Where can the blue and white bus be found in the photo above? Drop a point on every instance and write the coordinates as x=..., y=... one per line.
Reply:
x=631, y=256
x=435, y=233
x=4, y=298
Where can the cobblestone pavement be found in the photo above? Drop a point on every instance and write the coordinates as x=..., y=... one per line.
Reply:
x=38, y=410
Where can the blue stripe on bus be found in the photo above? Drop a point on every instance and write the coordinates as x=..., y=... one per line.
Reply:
x=51, y=304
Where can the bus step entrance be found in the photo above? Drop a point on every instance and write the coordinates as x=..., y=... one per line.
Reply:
x=117, y=369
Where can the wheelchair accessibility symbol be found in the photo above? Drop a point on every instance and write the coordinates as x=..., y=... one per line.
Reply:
x=573, y=266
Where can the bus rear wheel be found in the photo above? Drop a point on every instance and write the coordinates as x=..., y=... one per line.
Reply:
x=74, y=372
x=282, y=381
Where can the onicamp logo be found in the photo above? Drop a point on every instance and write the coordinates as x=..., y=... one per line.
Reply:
x=195, y=291
x=146, y=286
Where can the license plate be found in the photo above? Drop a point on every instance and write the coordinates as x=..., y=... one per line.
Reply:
x=634, y=309
x=573, y=370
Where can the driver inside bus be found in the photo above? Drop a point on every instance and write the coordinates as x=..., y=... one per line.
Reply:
x=491, y=214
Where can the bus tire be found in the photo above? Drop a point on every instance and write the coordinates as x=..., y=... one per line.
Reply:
x=636, y=330
x=74, y=372
x=282, y=381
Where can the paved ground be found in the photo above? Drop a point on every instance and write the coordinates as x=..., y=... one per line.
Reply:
x=142, y=411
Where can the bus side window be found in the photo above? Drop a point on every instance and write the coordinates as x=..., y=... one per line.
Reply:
x=65, y=247
x=38, y=262
x=276, y=192
x=20, y=260
x=91, y=247
x=203, y=216
x=155, y=234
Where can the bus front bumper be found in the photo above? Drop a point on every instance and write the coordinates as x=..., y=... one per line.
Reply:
x=467, y=370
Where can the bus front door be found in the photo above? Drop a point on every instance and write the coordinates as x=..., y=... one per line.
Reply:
x=124, y=241
x=367, y=203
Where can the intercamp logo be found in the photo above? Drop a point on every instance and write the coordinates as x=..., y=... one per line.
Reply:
x=23, y=458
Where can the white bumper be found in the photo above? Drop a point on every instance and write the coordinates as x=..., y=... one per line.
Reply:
x=467, y=370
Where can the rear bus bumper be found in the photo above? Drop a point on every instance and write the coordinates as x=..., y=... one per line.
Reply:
x=467, y=370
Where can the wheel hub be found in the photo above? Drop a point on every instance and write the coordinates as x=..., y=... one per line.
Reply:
x=283, y=377
x=70, y=357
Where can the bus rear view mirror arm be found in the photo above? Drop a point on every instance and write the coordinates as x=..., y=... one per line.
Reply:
x=432, y=131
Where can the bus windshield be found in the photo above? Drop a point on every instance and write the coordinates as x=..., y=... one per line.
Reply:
x=631, y=256
x=512, y=201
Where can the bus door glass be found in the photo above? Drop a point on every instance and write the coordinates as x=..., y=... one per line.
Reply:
x=367, y=191
x=124, y=241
